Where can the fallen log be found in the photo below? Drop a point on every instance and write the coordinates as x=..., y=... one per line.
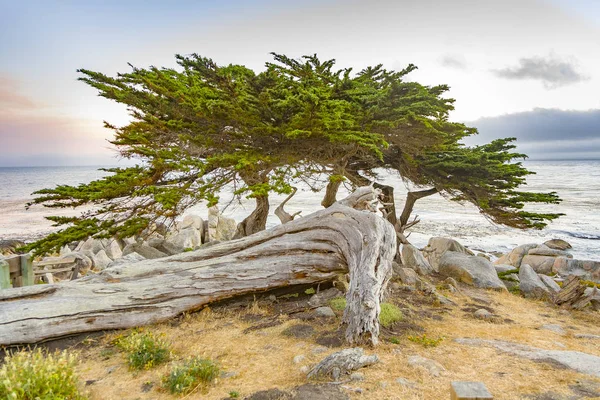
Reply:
x=347, y=237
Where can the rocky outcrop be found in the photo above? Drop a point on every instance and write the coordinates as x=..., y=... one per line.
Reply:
x=558, y=244
x=550, y=283
x=220, y=227
x=515, y=256
x=540, y=264
x=473, y=270
x=437, y=246
x=531, y=285
x=585, y=269
x=413, y=258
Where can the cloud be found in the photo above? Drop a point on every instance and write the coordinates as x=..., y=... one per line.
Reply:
x=552, y=71
x=453, y=61
x=545, y=133
x=10, y=98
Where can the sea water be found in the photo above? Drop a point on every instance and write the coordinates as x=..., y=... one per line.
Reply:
x=576, y=182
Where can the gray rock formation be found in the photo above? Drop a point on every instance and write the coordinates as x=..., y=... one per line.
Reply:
x=143, y=250
x=586, y=269
x=413, y=258
x=558, y=244
x=550, y=283
x=531, y=285
x=433, y=367
x=437, y=246
x=473, y=270
x=341, y=363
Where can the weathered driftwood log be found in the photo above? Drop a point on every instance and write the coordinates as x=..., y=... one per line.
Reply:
x=309, y=250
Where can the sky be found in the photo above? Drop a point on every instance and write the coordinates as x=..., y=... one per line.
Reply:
x=518, y=68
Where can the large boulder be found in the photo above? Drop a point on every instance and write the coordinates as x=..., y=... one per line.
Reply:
x=540, y=264
x=558, y=244
x=92, y=245
x=586, y=269
x=473, y=270
x=414, y=259
x=114, y=248
x=543, y=250
x=130, y=258
x=194, y=221
x=164, y=246
x=189, y=238
x=101, y=260
x=144, y=250
x=531, y=285
x=515, y=256
x=437, y=246
x=220, y=227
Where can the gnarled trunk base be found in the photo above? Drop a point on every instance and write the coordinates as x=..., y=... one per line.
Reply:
x=309, y=250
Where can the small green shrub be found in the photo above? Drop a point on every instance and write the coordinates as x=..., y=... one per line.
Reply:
x=187, y=377
x=310, y=291
x=234, y=394
x=338, y=303
x=504, y=275
x=39, y=375
x=188, y=249
x=144, y=350
x=394, y=340
x=425, y=341
x=389, y=314
x=591, y=284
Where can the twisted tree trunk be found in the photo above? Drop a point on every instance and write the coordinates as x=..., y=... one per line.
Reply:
x=343, y=237
x=256, y=221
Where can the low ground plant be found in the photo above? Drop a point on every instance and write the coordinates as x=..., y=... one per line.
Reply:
x=194, y=373
x=338, y=303
x=144, y=349
x=389, y=315
x=40, y=375
x=425, y=341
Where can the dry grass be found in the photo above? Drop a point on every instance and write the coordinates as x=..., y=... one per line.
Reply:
x=263, y=358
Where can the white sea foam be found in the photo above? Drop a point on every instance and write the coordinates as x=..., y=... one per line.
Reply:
x=577, y=183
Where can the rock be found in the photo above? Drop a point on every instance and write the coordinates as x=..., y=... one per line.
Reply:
x=531, y=285
x=543, y=250
x=550, y=284
x=325, y=312
x=64, y=250
x=554, y=328
x=540, y=264
x=144, y=250
x=586, y=269
x=101, y=260
x=93, y=245
x=407, y=276
x=469, y=390
x=299, y=358
x=319, y=392
x=86, y=262
x=114, y=249
x=194, y=221
x=433, y=367
x=558, y=244
x=357, y=376
x=515, y=256
x=164, y=246
x=502, y=268
x=483, y=314
x=323, y=297
x=574, y=360
x=220, y=227
x=128, y=259
x=271, y=394
x=413, y=258
x=437, y=246
x=586, y=336
x=472, y=270
x=407, y=383
x=342, y=362
x=229, y=374
x=319, y=349
x=189, y=238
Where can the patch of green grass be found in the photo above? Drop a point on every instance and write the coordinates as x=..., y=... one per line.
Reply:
x=310, y=291
x=188, y=249
x=389, y=314
x=591, y=284
x=338, y=303
x=144, y=349
x=504, y=275
x=515, y=289
x=289, y=295
x=194, y=373
x=234, y=394
x=394, y=340
x=425, y=341
x=40, y=375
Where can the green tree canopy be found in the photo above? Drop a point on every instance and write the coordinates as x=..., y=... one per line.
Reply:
x=200, y=127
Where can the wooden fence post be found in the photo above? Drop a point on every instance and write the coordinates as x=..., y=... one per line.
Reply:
x=4, y=275
x=27, y=269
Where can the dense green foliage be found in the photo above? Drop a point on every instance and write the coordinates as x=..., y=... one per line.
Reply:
x=36, y=374
x=192, y=374
x=199, y=128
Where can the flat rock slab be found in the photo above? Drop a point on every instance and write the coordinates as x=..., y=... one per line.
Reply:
x=469, y=391
x=574, y=360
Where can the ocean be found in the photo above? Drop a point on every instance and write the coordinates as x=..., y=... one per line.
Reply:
x=576, y=182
